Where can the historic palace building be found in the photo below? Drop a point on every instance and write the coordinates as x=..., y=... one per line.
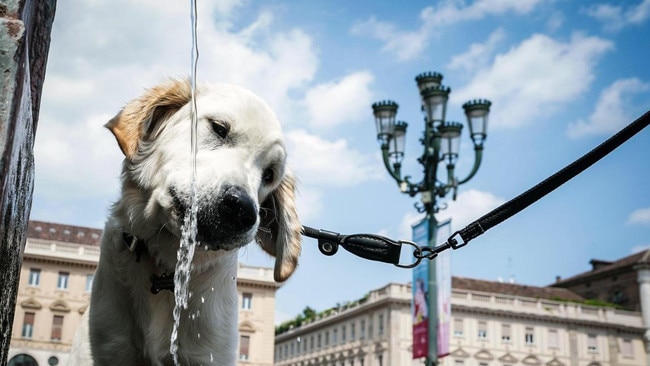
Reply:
x=54, y=291
x=492, y=324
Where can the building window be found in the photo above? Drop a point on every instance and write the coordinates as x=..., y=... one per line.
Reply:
x=363, y=330
x=28, y=325
x=89, y=282
x=327, y=338
x=370, y=324
x=343, y=334
x=529, y=336
x=380, y=360
x=244, y=347
x=505, y=333
x=553, y=339
x=246, y=301
x=458, y=363
x=34, y=277
x=353, y=332
x=592, y=343
x=62, y=283
x=482, y=364
x=57, y=328
x=311, y=342
x=318, y=340
x=381, y=324
x=458, y=327
x=627, y=350
x=335, y=336
x=482, y=330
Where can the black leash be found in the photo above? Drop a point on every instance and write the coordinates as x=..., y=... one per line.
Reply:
x=379, y=248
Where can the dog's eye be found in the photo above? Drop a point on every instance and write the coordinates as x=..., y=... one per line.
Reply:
x=268, y=176
x=221, y=128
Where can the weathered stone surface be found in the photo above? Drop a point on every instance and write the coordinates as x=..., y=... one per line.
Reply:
x=25, y=27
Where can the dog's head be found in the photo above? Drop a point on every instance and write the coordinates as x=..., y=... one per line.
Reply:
x=244, y=190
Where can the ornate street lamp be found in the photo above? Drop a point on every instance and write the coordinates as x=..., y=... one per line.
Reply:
x=441, y=143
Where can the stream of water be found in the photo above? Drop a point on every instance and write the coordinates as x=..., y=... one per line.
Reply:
x=189, y=228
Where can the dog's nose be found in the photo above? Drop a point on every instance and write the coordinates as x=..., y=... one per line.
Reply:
x=237, y=209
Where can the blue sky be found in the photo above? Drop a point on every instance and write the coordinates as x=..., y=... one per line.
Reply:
x=562, y=76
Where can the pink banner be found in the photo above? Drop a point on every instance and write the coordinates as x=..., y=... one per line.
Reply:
x=420, y=288
x=420, y=302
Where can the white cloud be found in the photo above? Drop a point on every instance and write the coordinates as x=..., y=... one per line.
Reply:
x=323, y=163
x=406, y=45
x=450, y=12
x=534, y=77
x=469, y=206
x=309, y=203
x=555, y=21
x=479, y=54
x=613, y=109
x=406, y=226
x=333, y=103
x=615, y=17
x=640, y=216
x=120, y=53
x=82, y=159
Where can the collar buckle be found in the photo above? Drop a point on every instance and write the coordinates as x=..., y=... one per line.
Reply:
x=135, y=245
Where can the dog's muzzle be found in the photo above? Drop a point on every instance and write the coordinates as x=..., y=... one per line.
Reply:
x=226, y=222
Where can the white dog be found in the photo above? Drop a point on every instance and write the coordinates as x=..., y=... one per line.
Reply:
x=245, y=194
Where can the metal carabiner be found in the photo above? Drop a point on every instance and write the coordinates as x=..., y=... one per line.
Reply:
x=417, y=254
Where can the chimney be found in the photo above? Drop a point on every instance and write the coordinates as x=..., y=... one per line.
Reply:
x=598, y=264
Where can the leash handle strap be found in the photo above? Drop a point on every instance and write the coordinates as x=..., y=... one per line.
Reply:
x=368, y=246
x=514, y=206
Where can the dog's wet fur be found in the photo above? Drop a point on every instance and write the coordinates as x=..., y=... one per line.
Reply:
x=245, y=193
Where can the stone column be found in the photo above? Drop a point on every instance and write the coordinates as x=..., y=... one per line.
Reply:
x=25, y=27
x=643, y=277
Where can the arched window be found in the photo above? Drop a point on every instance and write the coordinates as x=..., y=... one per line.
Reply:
x=22, y=360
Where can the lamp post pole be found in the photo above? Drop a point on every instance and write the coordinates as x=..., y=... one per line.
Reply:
x=441, y=142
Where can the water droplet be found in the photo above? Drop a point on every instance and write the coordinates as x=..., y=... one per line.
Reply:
x=211, y=357
x=198, y=335
x=202, y=300
x=234, y=278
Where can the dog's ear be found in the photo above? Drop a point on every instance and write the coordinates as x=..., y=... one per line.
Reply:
x=139, y=119
x=280, y=229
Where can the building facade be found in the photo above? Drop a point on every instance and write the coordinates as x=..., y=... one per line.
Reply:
x=493, y=324
x=54, y=292
x=374, y=331
x=625, y=282
x=507, y=324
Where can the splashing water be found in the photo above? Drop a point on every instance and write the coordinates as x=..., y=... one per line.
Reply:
x=189, y=229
